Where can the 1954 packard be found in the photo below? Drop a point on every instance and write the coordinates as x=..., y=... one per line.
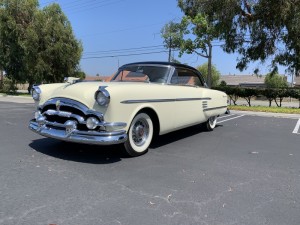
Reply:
x=142, y=100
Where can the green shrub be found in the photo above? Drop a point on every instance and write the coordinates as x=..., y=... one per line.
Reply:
x=8, y=86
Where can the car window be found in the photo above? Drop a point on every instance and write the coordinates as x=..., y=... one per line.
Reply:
x=155, y=74
x=183, y=76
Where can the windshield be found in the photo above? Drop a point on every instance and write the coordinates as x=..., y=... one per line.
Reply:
x=137, y=73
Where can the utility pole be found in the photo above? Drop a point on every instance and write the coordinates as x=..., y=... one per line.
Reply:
x=209, y=75
x=170, y=48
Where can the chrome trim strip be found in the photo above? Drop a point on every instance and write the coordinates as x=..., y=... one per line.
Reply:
x=111, y=126
x=66, y=102
x=209, y=109
x=51, y=112
x=85, y=137
x=74, y=104
x=163, y=100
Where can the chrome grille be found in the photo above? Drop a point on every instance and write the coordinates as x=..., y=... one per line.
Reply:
x=60, y=110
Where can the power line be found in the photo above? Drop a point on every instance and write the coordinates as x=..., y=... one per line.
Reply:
x=114, y=56
x=122, y=52
x=125, y=49
x=83, y=6
x=90, y=7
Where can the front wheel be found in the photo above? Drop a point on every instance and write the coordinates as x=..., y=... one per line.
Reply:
x=139, y=135
x=211, y=123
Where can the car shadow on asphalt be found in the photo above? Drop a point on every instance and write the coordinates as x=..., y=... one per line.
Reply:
x=178, y=135
x=91, y=154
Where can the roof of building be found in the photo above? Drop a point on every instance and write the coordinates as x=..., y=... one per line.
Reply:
x=242, y=79
x=94, y=78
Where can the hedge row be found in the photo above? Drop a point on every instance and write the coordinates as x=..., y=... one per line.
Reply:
x=276, y=95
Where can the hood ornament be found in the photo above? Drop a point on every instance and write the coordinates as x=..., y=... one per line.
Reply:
x=57, y=105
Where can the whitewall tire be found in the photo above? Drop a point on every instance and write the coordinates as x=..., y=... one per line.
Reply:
x=140, y=135
x=211, y=123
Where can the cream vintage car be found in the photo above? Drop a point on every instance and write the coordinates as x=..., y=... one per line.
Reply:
x=142, y=100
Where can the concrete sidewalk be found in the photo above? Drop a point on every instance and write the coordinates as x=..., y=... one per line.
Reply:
x=16, y=99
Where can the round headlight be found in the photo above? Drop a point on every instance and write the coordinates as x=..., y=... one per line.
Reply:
x=92, y=123
x=36, y=93
x=102, y=97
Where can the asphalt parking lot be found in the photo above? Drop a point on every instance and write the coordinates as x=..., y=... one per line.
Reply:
x=246, y=171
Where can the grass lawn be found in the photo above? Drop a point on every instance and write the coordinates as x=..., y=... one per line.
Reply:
x=265, y=109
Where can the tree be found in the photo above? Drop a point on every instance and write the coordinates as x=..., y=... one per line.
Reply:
x=59, y=52
x=295, y=93
x=215, y=74
x=172, y=36
x=275, y=81
x=36, y=45
x=281, y=94
x=270, y=94
x=15, y=19
x=192, y=35
x=80, y=74
x=256, y=29
x=247, y=94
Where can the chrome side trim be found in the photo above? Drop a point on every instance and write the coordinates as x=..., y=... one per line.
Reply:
x=215, y=108
x=163, y=100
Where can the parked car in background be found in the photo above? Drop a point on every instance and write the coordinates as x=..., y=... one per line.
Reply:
x=143, y=99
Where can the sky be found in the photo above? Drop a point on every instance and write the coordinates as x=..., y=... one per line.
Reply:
x=125, y=31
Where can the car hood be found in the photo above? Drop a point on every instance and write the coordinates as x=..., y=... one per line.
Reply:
x=84, y=91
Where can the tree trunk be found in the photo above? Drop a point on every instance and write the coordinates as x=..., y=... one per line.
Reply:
x=1, y=79
x=280, y=101
x=276, y=102
x=248, y=101
x=29, y=87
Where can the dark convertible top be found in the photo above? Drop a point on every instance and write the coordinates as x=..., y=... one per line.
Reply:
x=160, y=63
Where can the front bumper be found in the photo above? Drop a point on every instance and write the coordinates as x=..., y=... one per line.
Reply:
x=63, y=133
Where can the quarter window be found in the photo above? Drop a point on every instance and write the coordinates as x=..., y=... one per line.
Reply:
x=183, y=76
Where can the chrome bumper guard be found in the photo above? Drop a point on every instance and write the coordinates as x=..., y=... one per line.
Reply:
x=68, y=132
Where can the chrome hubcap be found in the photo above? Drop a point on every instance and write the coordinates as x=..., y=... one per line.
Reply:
x=140, y=132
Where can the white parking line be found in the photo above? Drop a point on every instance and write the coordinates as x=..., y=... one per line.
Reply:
x=230, y=119
x=226, y=116
x=295, y=131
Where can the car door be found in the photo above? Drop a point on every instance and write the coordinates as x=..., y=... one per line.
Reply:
x=189, y=86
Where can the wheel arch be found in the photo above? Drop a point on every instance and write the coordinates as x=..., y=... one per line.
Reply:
x=154, y=117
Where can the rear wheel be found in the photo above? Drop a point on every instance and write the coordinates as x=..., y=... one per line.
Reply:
x=140, y=135
x=211, y=123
